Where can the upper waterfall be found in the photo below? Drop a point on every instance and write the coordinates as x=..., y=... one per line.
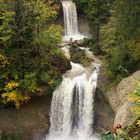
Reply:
x=70, y=21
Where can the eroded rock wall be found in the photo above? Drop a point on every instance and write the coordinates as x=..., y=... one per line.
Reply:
x=118, y=98
x=30, y=122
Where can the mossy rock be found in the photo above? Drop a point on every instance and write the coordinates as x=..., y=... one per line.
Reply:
x=78, y=56
x=60, y=62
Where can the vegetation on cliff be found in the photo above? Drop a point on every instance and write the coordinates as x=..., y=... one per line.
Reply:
x=127, y=130
x=29, y=58
x=120, y=38
x=116, y=32
x=115, y=26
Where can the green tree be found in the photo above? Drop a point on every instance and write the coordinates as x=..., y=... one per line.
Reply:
x=28, y=49
x=97, y=13
x=6, y=16
x=120, y=37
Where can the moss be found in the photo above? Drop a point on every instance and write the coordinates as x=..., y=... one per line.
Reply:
x=78, y=56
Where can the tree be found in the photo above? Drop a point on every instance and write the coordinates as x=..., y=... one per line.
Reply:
x=28, y=47
x=97, y=13
x=6, y=16
x=120, y=37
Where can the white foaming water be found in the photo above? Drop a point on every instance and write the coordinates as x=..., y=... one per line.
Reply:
x=70, y=21
x=72, y=110
x=66, y=51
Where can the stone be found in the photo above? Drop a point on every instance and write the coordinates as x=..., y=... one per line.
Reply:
x=118, y=95
x=118, y=98
x=123, y=116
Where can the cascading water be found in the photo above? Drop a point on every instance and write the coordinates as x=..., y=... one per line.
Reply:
x=72, y=110
x=70, y=21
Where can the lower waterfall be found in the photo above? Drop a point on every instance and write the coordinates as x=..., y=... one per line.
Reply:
x=72, y=108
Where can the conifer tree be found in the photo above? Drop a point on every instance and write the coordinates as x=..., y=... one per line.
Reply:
x=27, y=42
x=121, y=37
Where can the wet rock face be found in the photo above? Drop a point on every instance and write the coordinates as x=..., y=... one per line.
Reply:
x=30, y=122
x=61, y=63
x=104, y=114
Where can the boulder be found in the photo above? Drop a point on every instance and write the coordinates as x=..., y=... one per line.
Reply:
x=104, y=114
x=30, y=122
x=123, y=116
x=118, y=95
x=118, y=98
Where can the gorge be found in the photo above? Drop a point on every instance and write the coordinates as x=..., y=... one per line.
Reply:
x=72, y=107
x=69, y=70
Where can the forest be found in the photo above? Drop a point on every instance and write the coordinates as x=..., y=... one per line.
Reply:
x=32, y=62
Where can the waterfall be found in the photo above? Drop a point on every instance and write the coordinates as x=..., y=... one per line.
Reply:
x=70, y=21
x=70, y=18
x=72, y=109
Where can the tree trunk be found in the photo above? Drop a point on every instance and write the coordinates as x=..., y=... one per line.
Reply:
x=97, y=35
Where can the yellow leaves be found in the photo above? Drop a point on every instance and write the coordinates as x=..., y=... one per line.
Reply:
x=12, y=95
x=3, y=61
x=19, y=101
x=136, y=110
x=138, y=122
x=134, y=97
x=11, y=85
x=51, y=82
x=16, y=98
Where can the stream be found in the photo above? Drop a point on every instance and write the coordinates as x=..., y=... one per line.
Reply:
x=72, y=107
